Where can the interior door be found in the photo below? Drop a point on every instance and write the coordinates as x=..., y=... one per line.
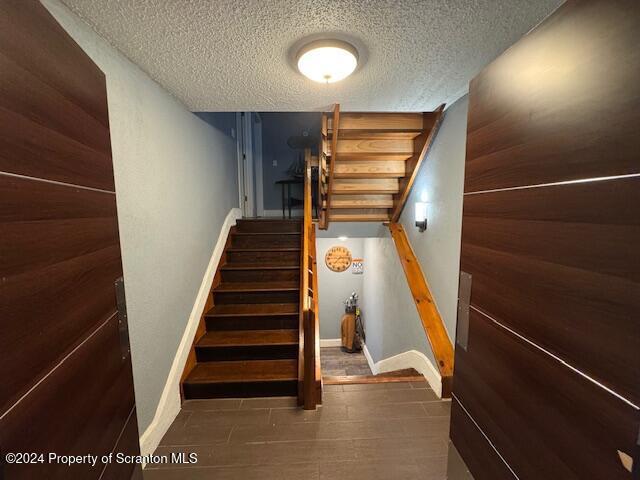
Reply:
x=66, y=382
x=547, y=364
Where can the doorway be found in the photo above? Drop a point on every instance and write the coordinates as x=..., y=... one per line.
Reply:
x=249, y=142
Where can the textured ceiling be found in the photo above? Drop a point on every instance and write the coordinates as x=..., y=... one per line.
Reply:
x=231, y=55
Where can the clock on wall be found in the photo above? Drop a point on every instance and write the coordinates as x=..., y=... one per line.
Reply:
x=338, y=259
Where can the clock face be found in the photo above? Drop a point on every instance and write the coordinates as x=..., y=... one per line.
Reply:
x=338, y=259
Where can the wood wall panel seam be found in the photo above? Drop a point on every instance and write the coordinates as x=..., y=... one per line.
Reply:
x=554, y=184
x=548, y=415
x=455, y=399
x=562, y=362
x=67, y=379
x=56, y=182
x=550, y=227
x=57, y=365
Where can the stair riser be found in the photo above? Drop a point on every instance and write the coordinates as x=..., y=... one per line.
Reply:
x=265, y=241
x=262, y=352
x=255, y=297
x=240, y=390
x=261, y=275
x=276, y=322
x=269, y=226
x=285, y=258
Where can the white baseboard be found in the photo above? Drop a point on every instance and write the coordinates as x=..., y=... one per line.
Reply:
x=169, y=404
x=295, y=212
x=409, y=359
x=367, y=355
x=330, y=342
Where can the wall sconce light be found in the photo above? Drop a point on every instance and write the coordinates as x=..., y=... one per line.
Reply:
x=421, y=215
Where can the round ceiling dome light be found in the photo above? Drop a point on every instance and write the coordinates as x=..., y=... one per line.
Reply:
x=327, y=61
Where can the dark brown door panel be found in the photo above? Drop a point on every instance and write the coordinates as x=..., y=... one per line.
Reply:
x=547, y=421
x=60, y=260
x=80, y=408
x=66, y=379
x=478, y=453
x=561, y=266
x=31, y=37
x=562, y=104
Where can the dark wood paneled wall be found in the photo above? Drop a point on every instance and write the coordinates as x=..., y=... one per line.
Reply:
x=548, y=386
x=65, y=386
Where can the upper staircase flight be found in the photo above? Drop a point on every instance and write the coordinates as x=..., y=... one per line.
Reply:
x=368, y=163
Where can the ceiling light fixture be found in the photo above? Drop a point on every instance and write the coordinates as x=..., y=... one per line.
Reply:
x=327, y=61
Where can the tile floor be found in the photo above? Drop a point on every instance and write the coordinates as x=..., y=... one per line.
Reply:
x=378, y=431
x=335, y=362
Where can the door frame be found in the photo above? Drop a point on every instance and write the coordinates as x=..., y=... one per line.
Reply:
x=257, y=163
x=246, y=175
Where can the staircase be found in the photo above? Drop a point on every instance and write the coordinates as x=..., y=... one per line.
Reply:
x=248, y=344
x=369, y=161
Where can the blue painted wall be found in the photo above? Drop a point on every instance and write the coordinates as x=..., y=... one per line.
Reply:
x=277, y=127
x=225, y=122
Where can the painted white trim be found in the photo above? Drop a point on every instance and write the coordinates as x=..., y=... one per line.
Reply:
x=295, y=212
x=410, y=359
x=169, y=405
x=367, y=355
x=330, y=342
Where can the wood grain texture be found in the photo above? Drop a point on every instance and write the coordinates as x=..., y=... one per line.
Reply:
x=66, y=387
x=380, y=121
x=563, y=104
x=60, y=259
x=441, y=345
x=367, y=146
x=557, y=264
x=53, y=104
x=477, y=452
x=556, y=389
x=128, y=442
x=421, y=146
x=545, y=419
x=332, y=150
x=80, y=408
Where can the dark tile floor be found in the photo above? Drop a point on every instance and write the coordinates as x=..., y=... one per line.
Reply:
x=335, y=362
x=377, y=431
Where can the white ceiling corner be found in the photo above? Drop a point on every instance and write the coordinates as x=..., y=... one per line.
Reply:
x=233, y=55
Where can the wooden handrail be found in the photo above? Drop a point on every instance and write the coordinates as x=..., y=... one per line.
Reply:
x=422, y=144
x=335, y=128
x=441, y=345
x=309, y=374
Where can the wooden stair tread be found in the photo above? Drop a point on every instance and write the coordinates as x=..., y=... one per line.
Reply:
x=260, y=234
x=375, y=133
x=374, y=145
x=257, y=286
x=253, y=309
x=373, y=157
x=263, y=249
x=359, y=217
x=244, y=371
x=354, y=204
x=260, y=266
x=379, y=120
x=265, y=219
x=230, y=338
